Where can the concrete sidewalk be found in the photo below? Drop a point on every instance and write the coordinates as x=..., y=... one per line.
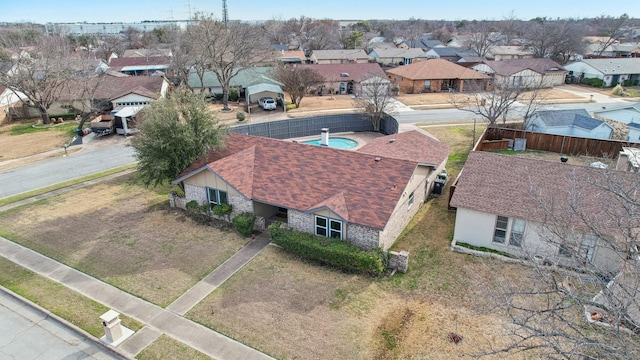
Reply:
x=218, y=276
x=156, y=319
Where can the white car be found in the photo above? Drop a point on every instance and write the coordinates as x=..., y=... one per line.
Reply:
x=267, y=103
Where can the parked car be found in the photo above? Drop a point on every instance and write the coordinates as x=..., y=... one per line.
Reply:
x=267, y=103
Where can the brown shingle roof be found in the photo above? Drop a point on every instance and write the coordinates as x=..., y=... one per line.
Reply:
x=111, y=87
x=356, y=72
x=119, y=63
x=512, y=66
x=523, y=188
x=411, y=145
x=346, y=54
x=305, y=177
x=436, y=69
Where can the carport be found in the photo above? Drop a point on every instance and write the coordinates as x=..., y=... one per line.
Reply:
x=255, y=92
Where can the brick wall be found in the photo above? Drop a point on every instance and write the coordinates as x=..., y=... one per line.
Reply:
x=195, y=192
x=300, y=221
x=363, y=236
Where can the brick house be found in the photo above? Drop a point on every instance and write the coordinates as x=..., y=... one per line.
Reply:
x=345, y=78
x=436, y=75
x=366, y=197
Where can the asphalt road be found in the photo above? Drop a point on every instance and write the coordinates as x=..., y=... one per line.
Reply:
x=47, y=172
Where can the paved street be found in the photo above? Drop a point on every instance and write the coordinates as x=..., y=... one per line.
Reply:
x=50, y=171
x=29, y=334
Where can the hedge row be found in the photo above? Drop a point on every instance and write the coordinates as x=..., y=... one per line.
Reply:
x=335, y=252
x=595, y=82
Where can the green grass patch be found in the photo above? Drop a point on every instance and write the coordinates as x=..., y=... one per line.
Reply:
x=483, y=249
x=60, y=300
x=166, y=347
x=456, y=160
x=513, y=152
x=28, y=128
x=44, y=190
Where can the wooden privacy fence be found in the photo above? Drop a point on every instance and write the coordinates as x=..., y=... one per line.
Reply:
x=498, y=139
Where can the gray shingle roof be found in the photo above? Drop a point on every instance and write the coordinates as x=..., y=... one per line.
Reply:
x=614, y=66
x=569, y=117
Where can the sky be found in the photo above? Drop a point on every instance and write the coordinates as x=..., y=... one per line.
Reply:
x=43, y=11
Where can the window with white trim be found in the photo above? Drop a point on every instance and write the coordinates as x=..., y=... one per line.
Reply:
x=216, y=196
x=326, y=226
x=517, y=232
x=509, y=231
x=427, y=84
x=588, y=247
x=411, y=199
x=500, y=231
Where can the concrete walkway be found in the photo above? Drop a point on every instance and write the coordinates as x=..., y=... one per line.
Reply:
x=218, y=276
x=157, y=320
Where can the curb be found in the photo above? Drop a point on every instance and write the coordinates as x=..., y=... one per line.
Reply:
x=48, y=314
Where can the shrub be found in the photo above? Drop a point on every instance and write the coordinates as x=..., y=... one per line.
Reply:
x=290, y=106
x=240, y=116
x=244, y=222
x=233, y=95
x=221, y=209
x=595, y=82
x=330, y=251
x=196, y=211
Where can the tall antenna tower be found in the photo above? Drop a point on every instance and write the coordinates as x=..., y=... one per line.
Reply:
x=225, y=13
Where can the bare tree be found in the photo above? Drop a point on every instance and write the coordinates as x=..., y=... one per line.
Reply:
x=556, y=39
x=588, y=307
x=506, y=98
x=297, y=81
x=482, y=37
x=321, y=34
x=610, y=27
x=375, y=99
x=42, y=77
x=110, y=44
x=224, y=50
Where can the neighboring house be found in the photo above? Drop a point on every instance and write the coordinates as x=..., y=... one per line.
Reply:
x=612, y=71
x=125, y=95
x=147, y=53
x=435, y=75
x=571, y=122
x=397, y=56
x=453, y=54
x=628, y=115
x=366, y=197
x=8, y=100
x=339, y=56
x=527, y=208
x=141, y=65
x=498, y=53
x=245, y=78
x=345, y=78
x=290, y=57
x=599, y=46
x=524, y=72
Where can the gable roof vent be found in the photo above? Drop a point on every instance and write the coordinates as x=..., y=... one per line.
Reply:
x=377, y=159
x=344, y=74
x=392, y=141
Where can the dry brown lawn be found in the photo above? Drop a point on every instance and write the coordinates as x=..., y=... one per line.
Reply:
x=124, y=234
x=293, y=309
x=166, y=347
x=314, y=103
x=17, y=146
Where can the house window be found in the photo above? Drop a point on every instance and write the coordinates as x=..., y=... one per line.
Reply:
x=427, y=84
x=500, y=233
x=564, y=250
x=588, y=247
x=411, y=198
x=517, y=232
x=217, y=197
x=329, y=227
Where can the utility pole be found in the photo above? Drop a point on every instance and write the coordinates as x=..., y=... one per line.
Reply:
x=225, y=13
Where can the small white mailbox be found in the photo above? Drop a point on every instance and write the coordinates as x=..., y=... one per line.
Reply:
x=111, y=325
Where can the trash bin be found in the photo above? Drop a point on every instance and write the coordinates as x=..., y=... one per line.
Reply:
x=438, y=186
